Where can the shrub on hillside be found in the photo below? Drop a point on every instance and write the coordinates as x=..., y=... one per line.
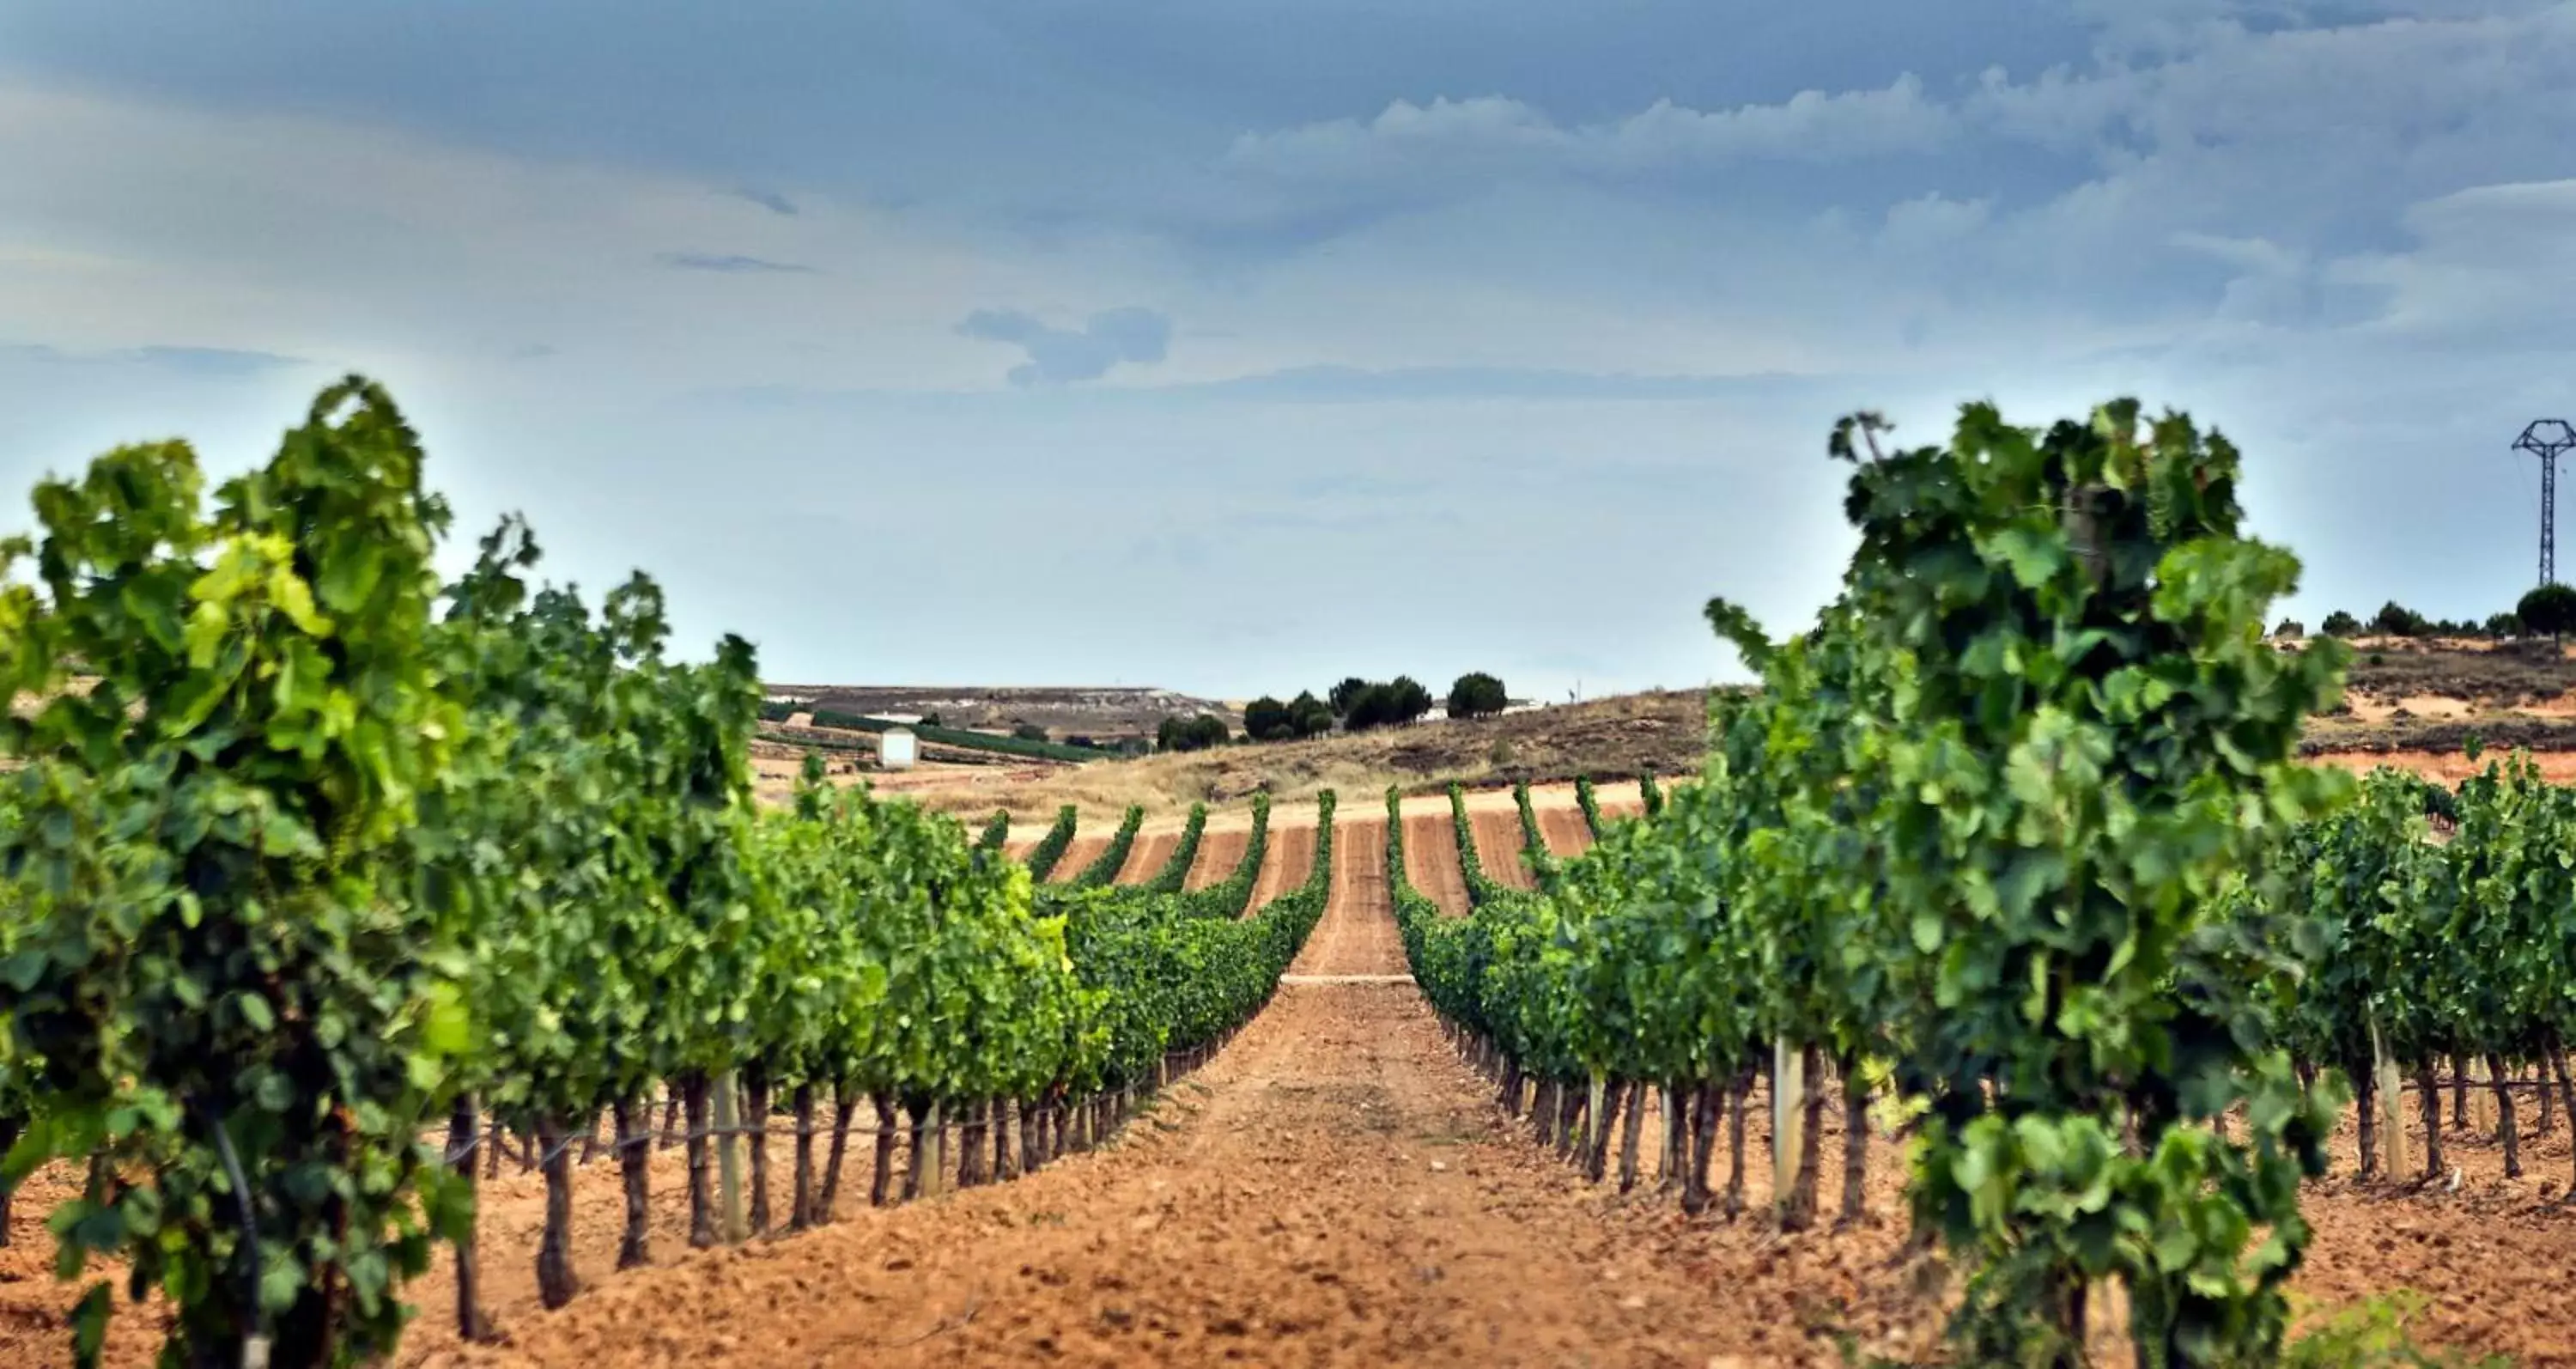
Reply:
x=1311, y=717
x=2550, y=608
x=2397, y=620
x=2342, y=624
x=1400, y=700
x=1191, y=734
x=1476, y=695
x=1267, y=720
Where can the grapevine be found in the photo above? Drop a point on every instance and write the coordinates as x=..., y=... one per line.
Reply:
x=1104, y=869
x=1049, y=852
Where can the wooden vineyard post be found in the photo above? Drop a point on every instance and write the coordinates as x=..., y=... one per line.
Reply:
x=1788, y=1114
x=934, y=1140
x=2390, y=1099
x=728, y=1158
x=1592, y=1121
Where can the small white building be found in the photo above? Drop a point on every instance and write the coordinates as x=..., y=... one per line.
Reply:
x=896, y=748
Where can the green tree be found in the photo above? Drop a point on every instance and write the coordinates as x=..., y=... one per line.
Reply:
x=1407, y=700
x=1401, y=700
x=1311, y=717
x=2342, y=624
x=1346, y=694
x=2550, y=608
x=1029, y=732
x=1477, y=695
x=1267, y=720
x=2397, y=620
x=1191, y=734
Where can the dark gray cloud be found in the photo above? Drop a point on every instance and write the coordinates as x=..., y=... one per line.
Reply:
x=708, y=261
x=1058, y=356
x=770, y=200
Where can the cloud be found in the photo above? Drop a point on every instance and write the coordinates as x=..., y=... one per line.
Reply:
x=703, y=261
x=1059, y=356
x=212, y=363
x=2471, y=276
x=1352, y=384
x=1350, y=523
x=770, y=200
x=1331, y=175
x=1490, y=133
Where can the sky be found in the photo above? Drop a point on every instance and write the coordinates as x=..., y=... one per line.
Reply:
x=1235, y=347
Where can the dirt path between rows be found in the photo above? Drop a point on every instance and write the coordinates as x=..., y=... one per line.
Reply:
x=1357, y=934
x=1498, y=847
x=1219, y=853
x=1290, y=859
x=1077, y=858
x=1566, y=833
x=1431, y=861
x=1147, y=856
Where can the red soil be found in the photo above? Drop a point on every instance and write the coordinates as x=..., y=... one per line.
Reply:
x=1077, y=857
x=1498, y=846
x=1567, y=834
x=1219, y=853
x=1146, y=857
x=1290, y=860
x=1431, y=861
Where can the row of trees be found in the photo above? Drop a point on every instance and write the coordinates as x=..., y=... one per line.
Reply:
x=318, y=853
x=1358, y=705
x=1986, y=839
x=2548, y=611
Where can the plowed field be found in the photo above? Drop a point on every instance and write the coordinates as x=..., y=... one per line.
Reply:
x=1566, y=832
x=1146, y=856
x=1219, y=853
x=1431, y=860
x=1077, y=857
x=1291, y=860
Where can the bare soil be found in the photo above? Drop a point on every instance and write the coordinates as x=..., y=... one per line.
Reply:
x=1289, y=860
x=1219, y=853
x=1563, y=829
x=1498, y=845
x=1431, y=860
x=1078, y=856
x=2448, y=767
x=1147, y=855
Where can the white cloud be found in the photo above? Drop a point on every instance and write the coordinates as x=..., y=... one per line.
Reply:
x=1932, y=219
x=132, y=225
x=1459, y=141
x=1811, y=126
x=2488, y=270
